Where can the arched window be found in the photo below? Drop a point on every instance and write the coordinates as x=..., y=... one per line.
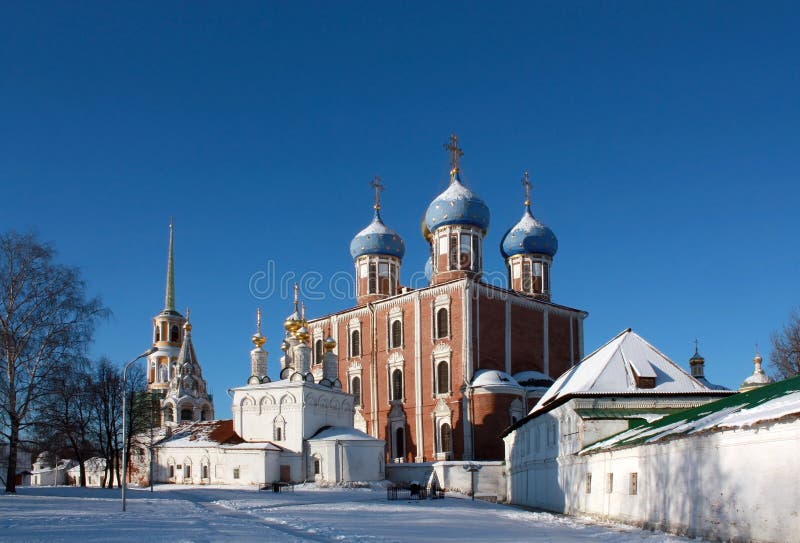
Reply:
x=174, y=334
x=156, y=334
x=172, y=471
x=397, y=334
x=397, y=385
x=187, y=471
x=442, y=377
x=204, y=471
x=316, y=466
x=442, y=323
x=373, y=279
x=186, y=414
x=399, y=443
x=168, y=415
x=318, y=351
x=355, y=390
x=355, y=343
x=445, y=437
x=204, y=414
x=280, y=428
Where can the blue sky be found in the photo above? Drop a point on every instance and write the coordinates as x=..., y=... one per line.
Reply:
x=661, y=138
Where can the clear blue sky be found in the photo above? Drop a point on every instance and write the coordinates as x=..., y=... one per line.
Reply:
x=662, y=139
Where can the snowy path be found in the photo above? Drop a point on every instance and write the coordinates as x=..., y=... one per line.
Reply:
x=207, y=514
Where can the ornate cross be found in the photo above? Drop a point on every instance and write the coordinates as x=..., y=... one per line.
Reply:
x=378, y=186
x=258, y=321
x=526, y=182
x=296, y=295
x=455, y=151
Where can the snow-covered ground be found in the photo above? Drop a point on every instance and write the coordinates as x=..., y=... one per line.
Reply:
x=181, y=514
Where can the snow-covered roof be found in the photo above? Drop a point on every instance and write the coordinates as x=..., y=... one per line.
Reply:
x=767, y=404
x=211, y=433
x=341, y=433
x=492, y=377
x=533, y=379
x=622, y=366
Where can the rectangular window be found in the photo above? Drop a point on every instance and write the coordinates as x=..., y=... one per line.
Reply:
x=465, y=256
x=235, y=473
x=610, y=483
x=204, y=470
x=373, y=279
x=526, y=276
x=634, y=486
x=454, y=251
x=171, y=471
x=588, y=483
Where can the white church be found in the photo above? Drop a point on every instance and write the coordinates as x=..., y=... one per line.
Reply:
x=299, y=428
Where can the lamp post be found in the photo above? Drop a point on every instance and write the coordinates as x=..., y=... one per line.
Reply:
x=124, y=421
x=472, y=469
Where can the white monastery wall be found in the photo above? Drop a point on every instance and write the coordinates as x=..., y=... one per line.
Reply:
x=185, y=465
x=733, y=485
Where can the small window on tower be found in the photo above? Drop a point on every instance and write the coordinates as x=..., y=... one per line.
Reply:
x=235, y=473
x=373, y=279
x=174, y=334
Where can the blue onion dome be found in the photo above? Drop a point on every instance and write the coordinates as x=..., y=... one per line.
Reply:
x=429, y=269
x=377, y=239
x=457, y=205
x=529, y=236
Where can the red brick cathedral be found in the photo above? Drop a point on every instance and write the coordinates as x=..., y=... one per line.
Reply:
x=438, y=372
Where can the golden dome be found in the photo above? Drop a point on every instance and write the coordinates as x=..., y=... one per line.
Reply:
x=258, y=340
x=293, y=322
x=301, y=334
x=330, y=344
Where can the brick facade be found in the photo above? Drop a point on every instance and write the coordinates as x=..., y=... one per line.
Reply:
x=487, y=328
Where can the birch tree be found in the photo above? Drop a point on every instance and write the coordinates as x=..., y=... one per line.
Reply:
x=45, y=318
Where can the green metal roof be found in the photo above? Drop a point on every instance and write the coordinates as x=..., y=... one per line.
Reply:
x=681, y=423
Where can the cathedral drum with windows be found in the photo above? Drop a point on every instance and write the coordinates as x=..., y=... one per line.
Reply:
x=438, y=372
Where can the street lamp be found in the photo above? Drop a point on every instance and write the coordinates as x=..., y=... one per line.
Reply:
x=124, y=422
x=472, y=469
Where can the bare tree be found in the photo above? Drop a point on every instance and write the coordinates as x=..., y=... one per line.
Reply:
x=67, y=412
x=45, y=317
x=785, y=357
x=107, y=405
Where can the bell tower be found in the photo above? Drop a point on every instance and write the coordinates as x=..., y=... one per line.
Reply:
x=168, y=331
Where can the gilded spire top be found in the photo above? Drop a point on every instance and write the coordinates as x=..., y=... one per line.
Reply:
x=378, y=186
x=526, y=182
x=258, y=339
x=296, y=296
x=169, y=298
x=455, y=153
x=188, y=324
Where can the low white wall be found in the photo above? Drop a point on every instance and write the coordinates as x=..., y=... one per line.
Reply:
x=490, y=481
x=736, y=485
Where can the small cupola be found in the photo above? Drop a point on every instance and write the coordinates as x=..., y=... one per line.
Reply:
x=528, y=248
x=377, y=253
x=456, y=221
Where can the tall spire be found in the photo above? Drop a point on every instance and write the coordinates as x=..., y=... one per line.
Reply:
x=455, y=154
x=169, y=299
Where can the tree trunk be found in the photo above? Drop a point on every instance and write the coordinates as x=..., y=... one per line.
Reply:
x=13, y=447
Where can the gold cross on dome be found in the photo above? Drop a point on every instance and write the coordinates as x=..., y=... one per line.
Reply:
x=455, y=151
x=378, y=186
x=526, y=182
